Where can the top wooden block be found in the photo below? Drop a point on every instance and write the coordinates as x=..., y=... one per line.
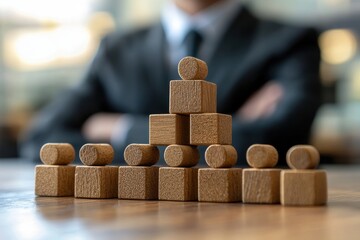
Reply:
x=192, y=96
x=96, y=154
x=303, y=157
x=57, y=153
x=191, y=68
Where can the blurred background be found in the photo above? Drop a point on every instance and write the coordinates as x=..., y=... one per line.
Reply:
x=45, y=47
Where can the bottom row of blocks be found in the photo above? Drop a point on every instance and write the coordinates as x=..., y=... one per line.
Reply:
x=306, y=187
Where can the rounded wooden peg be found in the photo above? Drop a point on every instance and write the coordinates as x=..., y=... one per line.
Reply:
x=221, y=156
x=181, y=156
x=262, y=156
x=57, y=153
x=96, y=154
x=303, y=157
x=141, y=155
x=191, y=68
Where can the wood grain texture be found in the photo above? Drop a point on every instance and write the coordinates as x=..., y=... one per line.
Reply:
x=54, y=181
x=178, y=184
x=181, y=156
x=96, y=154
x=220, y=185
x=303, y=157
x=303, y=187
x=221, y=156
x=191, y=68
x=57, y=153
x=261, y=186
x=96, y=181
x=167, y=129
x=192, y=96
x=138, y=182
x=262, y=156
x=210, y=128
x=141, y=155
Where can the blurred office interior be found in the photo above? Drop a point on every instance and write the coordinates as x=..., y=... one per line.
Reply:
x=45, y=46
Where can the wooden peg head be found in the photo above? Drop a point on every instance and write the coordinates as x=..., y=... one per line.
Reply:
x=262, y=156
x=141, y=155
x=303, y=157
x=57, y=153
x=191, y=68
x=221, y=156
x=96, y=154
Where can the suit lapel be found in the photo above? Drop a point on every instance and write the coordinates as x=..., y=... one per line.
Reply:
x=155, y=65
x=227, y=63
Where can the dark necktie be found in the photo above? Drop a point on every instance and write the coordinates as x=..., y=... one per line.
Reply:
x=192, y=42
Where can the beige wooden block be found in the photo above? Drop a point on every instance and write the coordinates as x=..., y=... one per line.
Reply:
x=220, y=185
x=210, y=128
x=303, y=187
x=57, y=153
x=96, y=181
x=138, y=182
x=261, y=186
x=221, y=156
x=54, y=181
x=141, y=155
x=178, y=184
x=96, y=154
x=262, y=156
x=303, y=157
x=181, y=156
x=191, y=68
x=167, y=129
x=192, y=96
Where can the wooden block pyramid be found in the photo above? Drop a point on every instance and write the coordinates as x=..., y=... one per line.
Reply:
x=192, y=121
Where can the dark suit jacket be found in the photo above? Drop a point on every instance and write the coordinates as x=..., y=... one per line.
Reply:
x=130, y=75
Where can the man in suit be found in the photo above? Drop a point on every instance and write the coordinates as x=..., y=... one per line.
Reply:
x=266, y=73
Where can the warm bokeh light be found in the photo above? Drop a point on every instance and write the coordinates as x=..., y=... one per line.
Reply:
x=337, y=46
x=46, y=47
x=44, y=10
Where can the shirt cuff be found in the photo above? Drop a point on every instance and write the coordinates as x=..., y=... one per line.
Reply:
x=121, y=130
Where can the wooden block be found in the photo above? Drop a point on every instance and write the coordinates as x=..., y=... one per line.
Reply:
x=192, y=96
x=57, y=153
x=191, y=68
x=96, y=181
x=181, y=156
x=261, y=186
x=96, y=154
x=167, y=129
x=221, y=156
x=178, y=184
x=303, y=157
x=54, y=181
x=262, y=156
x=303, y=187
x=141, y=155
x=138, y=182
x=210, y=128
x=220, y=185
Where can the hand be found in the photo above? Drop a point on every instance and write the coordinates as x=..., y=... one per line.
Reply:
x=100, y=126
x=263, y=103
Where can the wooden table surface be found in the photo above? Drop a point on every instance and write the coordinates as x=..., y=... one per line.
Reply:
x=24, y=216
